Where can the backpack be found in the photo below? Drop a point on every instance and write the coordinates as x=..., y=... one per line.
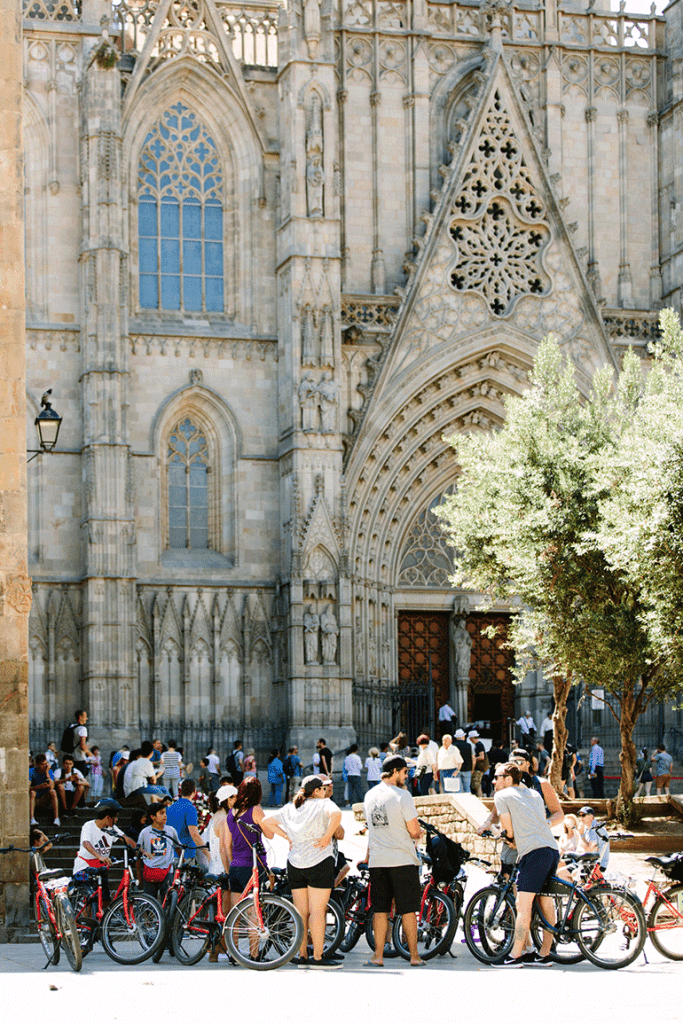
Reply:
x=67, y=743
x=231, y=764
x=578, y=767
x=288, y=767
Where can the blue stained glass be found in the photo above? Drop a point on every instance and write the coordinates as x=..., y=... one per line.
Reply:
x=149, y=295
x=192, y=293
x=169, y=219
x=170, y=256
x=213, y=258
x=148, y=255
x=170, y=292
x=213, y=222
x=177, y=518
x=192, y=257
x=213, y=287
x=192, y=220
x=147, y=218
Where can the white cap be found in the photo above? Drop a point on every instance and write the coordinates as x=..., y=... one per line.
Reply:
x=224, y=793
x=473, y=734
x=459, y=734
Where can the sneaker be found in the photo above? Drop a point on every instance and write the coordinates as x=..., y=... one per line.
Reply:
x=529, y=958
x=511, y=961
x=57, y=822
x=335, y=958
x=299, y=961
x=324, y=965
x=540, y=961
x=33, y=821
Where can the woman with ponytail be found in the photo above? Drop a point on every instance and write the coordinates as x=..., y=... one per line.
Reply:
x=309, y=824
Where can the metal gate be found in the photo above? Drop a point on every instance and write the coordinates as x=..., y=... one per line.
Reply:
x=381, y=712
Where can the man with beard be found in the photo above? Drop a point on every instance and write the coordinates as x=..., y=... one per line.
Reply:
x=393, y=828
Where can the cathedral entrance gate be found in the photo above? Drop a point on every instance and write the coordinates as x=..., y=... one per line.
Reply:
x=423, y=661
x=491, y=691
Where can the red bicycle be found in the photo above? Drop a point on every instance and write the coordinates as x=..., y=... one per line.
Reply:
x=55, y=918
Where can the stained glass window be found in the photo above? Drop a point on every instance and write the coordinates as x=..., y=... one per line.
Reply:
x=428, y=560
x=180, y=216
x=188, y=491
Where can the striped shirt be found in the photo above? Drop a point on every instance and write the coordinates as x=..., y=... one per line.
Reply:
x=171, y=762
x=596, y=758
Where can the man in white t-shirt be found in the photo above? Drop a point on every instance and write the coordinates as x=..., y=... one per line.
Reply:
x=393, y=828
x=353, y=766
x=214, y=763
x=97, y=839
x=140, y=776
x=81, y=751
x=70, y=784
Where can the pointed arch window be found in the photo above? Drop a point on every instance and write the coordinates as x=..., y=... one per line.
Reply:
x=188, y=487
x=180, y=216
x=428, y=559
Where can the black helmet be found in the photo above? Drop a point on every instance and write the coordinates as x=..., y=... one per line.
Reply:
x=108, y=806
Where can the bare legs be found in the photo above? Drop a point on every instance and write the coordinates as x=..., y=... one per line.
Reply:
x=312, y=905
x=524, y=903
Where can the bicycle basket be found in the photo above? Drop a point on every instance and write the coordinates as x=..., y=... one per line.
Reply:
x=447, y=857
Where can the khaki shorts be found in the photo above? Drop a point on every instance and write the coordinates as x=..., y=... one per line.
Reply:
x=662, y=781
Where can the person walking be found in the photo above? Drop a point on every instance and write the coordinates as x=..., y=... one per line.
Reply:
x=353, y=767
x=172, y=765
x=521, y=812
x=291, y=766
x=466, y=752
x=393, y=829
x=426, y=770
x=309, y=823
x=596, y=769
x=644, y=777
x=449, y=763
x=662, y=763
x=373, y=766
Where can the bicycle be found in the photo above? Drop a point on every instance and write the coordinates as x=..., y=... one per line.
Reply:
x=131, y=929
x=665, y=919
x=606, y=924
x=262, y=931
x=358, y=914
x=55, y=918
x=176, y=891
x=334, y=922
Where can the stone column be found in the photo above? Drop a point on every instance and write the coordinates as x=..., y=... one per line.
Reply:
x=15, y=586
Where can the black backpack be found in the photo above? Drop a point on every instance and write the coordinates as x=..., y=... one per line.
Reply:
x=67, y=743
x=231, y=764
x=288, y=767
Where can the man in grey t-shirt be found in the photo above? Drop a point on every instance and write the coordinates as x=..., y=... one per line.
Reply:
x=522, y=817
x=393, y=827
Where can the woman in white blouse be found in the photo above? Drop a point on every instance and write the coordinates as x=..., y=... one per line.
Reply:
x=309, y=823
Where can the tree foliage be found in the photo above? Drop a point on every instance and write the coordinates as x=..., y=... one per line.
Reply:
x=573, y=513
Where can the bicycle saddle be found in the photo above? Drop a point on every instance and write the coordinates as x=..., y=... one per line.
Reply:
x=664, y=862
x=50, y=873
x=95, y=871
x=212, y=879
x=569, y=855
x=278, y=871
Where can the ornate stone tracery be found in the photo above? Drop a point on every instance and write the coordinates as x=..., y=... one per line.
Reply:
x=427, y=557
x=499, y=227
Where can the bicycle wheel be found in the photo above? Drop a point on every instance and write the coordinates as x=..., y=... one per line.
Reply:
x=354, y=923
x=456, y=893
x=490, y=925
x=565, y=948
x=66, y=922
x=47, y=932
x=435, y=928
x=193, y=927
x=134, y=939
x=390, y=952
x=169, y=914
x=610, y=927
x=665, y=923
x=263, y=949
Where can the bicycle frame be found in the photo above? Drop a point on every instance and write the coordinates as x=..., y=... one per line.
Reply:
x=653, y=889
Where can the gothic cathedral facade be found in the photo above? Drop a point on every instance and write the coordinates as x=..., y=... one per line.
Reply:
x=277, y=251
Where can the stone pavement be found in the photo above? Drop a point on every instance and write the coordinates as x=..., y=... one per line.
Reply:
x=459, y=985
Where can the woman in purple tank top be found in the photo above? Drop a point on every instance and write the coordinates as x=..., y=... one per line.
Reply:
x=247, y=811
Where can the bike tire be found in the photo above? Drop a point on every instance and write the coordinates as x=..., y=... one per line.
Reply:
x=138, y=942
x=665, y=923
x=47, y=933
x=273, y=947
x=456, y=893
x=390, y=951
x=611, y=928
x=354, y=923
x=565, y=948
x=435, y=928
x=169, y=914
x=489, y=925
x=191, y=930
x=66, y=921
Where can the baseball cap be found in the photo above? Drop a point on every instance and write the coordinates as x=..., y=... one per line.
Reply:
x=524, y=754
x=586, y=810
x=326, y=780
x=310, y=778
x=395, y=763
x=224, y=793
x=459, y=734
x=124, y=755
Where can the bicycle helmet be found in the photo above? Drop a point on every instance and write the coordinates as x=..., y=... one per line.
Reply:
x=108, y=804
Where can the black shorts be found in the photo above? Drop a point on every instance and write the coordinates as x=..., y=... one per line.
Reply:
x=320, y=876
x=238, y=878
x=536, y=867
x=401, y=884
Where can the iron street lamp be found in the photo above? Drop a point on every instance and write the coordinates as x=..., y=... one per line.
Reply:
x=47, y=424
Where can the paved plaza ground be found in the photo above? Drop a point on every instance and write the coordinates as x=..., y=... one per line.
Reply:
x=449, y=988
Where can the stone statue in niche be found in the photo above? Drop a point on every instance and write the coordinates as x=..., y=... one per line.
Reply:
x=312, y=26
x=329, y=400
x=311, y=629
x=314, y=157
x=330, y=634
x=309, y=356
x=326, y=337
x=309, y=400
x=462, y=642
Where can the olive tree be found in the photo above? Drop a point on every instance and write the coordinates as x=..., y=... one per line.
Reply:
x=572, y=513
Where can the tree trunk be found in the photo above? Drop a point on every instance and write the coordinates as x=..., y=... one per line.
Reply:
x=561, y=688
x=627, y=754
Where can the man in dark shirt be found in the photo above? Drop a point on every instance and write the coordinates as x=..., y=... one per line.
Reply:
x=465, y=749
x=42, y=788
x=325, y=757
